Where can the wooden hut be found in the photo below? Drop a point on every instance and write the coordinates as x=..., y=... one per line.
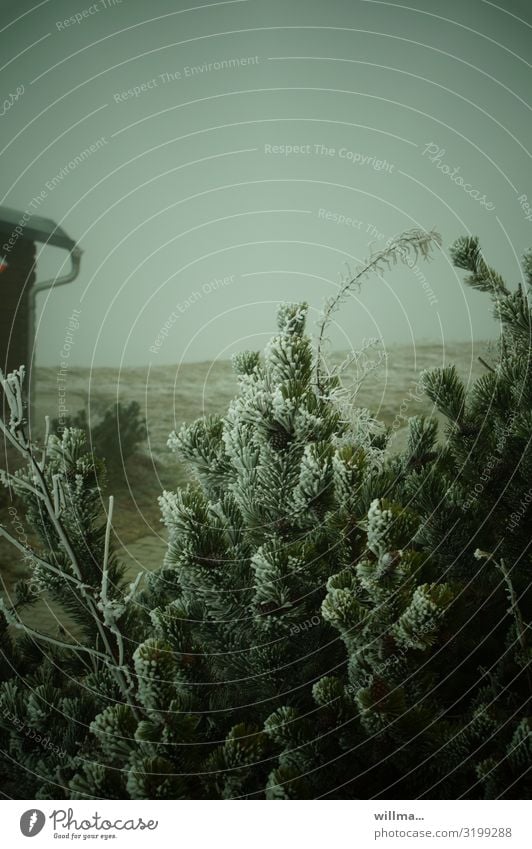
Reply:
x=19, y=233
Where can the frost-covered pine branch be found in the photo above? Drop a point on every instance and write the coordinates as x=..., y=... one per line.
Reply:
x=408, y=246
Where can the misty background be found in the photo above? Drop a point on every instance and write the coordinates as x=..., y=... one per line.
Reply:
x=213, y=159
x=193, y=218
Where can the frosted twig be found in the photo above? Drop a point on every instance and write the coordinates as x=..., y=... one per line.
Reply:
x=58, y=496
x=12, y=480
x=412, y=243
x=133, y=588
x=46, y=440
x=37, y=635
x=520, y=625
x=15, y=433
x=105, y=569
x=514, y=607
x=28, y=552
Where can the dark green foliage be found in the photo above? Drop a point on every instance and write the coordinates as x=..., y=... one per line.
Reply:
x=114, y=438
x=118, y=435
x=329, y=621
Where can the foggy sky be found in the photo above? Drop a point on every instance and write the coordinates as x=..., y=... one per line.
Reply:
x=244, y=152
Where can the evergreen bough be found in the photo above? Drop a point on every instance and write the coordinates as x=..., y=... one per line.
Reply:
x=330, y=619
x=115, y=437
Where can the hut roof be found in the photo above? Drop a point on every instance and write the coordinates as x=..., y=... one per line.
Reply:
x=35, y=229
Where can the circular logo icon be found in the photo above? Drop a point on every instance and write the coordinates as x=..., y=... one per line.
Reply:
x=32, y=822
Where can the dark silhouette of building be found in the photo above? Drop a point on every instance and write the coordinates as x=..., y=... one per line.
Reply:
x=19, y=232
